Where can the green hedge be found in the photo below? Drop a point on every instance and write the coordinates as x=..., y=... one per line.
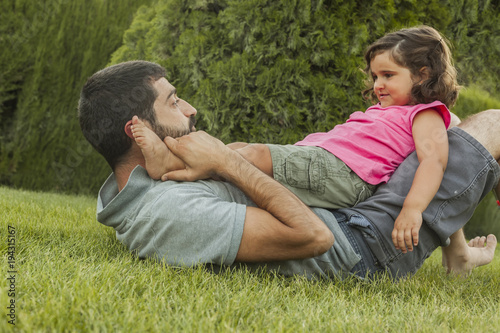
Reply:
x=256, y=70
x=49, y=48
x=273, y=71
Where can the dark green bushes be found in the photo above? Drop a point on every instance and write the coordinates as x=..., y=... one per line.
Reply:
x=257, y=70
x=49, y=48
x=274, y=71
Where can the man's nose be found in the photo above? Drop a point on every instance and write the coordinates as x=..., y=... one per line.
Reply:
x=188, y=110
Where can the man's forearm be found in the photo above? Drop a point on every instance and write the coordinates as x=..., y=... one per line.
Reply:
x=302, y=233
x=271, y=196
x=284, y=227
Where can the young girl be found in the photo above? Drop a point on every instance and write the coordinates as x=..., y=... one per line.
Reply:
x=412, y=77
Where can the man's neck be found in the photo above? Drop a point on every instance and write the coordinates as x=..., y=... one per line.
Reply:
x=123, y=171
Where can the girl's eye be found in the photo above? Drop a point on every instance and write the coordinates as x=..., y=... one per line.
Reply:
x=389, y=75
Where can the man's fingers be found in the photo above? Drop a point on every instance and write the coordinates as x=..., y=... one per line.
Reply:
x=178, y=175
x=203, y=156
x=171, y=143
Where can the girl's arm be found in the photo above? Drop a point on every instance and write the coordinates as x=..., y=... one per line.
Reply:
x=431, y=143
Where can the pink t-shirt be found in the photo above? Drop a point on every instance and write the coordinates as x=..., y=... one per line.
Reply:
x=375, y=142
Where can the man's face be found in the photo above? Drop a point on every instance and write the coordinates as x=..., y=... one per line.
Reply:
x=174, y=116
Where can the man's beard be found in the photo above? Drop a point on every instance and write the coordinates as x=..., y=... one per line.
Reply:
x=175, y=132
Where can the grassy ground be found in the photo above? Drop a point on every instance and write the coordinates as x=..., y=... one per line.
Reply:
x=72, y=275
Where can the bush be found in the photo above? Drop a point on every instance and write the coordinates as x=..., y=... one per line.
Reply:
x=268, y=71
x=49, y=48
x=257, y=70
x=472, y=100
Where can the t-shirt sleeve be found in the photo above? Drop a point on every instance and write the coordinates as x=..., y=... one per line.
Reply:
x=438, y=106
x=192, y=225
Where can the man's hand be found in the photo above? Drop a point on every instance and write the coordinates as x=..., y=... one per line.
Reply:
x=406, y=228
x=281, y=227
x=203, y=155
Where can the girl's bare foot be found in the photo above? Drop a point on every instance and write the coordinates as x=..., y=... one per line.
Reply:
x=154, y=150
x=461, y=258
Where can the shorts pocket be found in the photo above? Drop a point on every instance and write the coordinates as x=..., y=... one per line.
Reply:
x=306, y=171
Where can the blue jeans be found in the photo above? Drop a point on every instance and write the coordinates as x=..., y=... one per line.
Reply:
x=464, y=185
x=354, y=228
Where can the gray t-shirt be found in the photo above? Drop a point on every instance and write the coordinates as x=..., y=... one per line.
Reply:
x=189, y=223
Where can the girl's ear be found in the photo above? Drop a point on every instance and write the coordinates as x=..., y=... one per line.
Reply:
x=128, y=129
x=424, y=74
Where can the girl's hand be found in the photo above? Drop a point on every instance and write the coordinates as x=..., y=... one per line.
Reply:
x=406, y=228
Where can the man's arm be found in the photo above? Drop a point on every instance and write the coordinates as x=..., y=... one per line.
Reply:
x=281, y=228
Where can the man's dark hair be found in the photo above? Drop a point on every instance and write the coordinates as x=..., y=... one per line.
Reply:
x=110, y=98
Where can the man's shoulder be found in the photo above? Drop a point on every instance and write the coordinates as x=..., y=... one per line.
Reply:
x=173, y=191
x=143, y=196
x=182, y=223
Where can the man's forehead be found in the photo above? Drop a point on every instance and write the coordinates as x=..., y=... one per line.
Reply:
x=163, y=82
x=163, y=87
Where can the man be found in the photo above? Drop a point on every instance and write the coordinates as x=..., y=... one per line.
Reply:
x=251, y=218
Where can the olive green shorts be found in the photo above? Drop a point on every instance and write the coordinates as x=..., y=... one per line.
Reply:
x=318, y=177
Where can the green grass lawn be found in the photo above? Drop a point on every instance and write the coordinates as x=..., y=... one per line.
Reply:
x=72, y=275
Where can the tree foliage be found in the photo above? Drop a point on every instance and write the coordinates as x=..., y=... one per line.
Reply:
x=49, y=48
x=273, y=71
x=256, y=70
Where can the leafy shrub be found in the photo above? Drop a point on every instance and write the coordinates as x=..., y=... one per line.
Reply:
x=256, y=70
x=49, y=48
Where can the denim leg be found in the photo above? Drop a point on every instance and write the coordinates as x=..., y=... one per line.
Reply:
x=368, y=266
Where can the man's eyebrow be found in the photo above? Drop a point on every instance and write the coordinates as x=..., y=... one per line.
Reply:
x=173, y=92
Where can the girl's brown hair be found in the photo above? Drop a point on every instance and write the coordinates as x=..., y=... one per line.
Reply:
x=417, y=48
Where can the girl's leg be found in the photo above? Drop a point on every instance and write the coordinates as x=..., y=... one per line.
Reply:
x=155, y=152
x=497, y=192
x=258, y=154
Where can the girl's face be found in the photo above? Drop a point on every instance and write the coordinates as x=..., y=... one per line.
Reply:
x=391, y=83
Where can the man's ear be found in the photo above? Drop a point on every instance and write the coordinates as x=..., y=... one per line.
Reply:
x=128, y=129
